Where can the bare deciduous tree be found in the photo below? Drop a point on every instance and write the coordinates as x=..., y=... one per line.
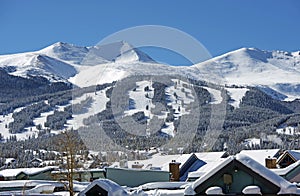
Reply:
x=71, y=148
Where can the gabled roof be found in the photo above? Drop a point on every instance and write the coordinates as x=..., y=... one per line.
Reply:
x=27, y=171
x=294, y=154
x=111, y=187
x=205, y=168
x=161, y=161
x=286, y=170
x=211, y=156
x=193, y=166
x=260, y=155
x=253, y=166
x=211, y=159
x=36, y=159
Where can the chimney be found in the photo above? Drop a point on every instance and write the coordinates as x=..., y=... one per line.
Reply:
x=271, y=163
x=174, y=170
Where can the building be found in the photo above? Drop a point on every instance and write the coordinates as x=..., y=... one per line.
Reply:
x=261, y=155
x=79, y=175
x=240, y=175
x=290, y=173
x=288, y=157
x=36, y=162
x=136, y=177
x=188, y=162
x=27, y=173
x=103, y=187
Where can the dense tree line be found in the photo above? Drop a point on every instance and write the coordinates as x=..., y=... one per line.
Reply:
x=25, y=117
x=258, y=116
x=12, y=87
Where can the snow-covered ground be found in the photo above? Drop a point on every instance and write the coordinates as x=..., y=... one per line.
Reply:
x=236, y=95
x=215, y=95
x=179, y=97
x=252, y=142
x=288, y=130
x=170, y=129
x=141, y=99
x=251, y=66
x=40, y=121
x=99, y=100
x=5, y=120
x=98, y=105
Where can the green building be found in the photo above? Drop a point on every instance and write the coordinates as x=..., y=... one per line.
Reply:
x=136, y=177
x=241, y=175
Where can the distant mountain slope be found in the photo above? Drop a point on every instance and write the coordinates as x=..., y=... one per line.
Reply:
x=279, y=71
x=34, y=64
x=257, y=84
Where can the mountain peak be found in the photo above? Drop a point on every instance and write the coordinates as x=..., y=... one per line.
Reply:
x=120, y=51
x=65, y=51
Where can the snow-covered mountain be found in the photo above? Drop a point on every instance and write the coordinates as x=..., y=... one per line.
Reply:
x=276, y=72
x=61, y=61
x=273, y=71
x=250, y=66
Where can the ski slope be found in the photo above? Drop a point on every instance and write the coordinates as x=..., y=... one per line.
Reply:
x=98, y=105
x=236, y=95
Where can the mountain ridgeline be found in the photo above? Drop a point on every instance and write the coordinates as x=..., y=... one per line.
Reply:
x=123, y=93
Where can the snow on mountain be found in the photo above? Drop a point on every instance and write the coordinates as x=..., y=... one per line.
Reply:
x=98, y=104
x=249, y=66
x=236, y=95
x=62, y=61
x=141, y=99
x=93, y=55
x=215, y=95
x=35, y=64
x=277, y=70
x=276, y=73
x=109, y=72
x=180, y=96
x=120, y=52
x=6, y=119
x=65, y=52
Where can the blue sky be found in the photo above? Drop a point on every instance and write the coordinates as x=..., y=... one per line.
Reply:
x=221, y=26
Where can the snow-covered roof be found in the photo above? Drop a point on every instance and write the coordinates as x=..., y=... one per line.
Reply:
x=164, y=185
x=38, y=184
x=205, y=168
x=9, y=160
x=211, y=159
x=111, y=187
x=212, y=171
x=210, y=156
x=285, y=186
x=260, y=155
x=286, y=170
x=253, y=190
x=161, y=161
x=294, y=153
x=215, y=190
x=28, y=183
x=28, y=171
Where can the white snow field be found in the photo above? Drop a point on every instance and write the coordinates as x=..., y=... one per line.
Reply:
x=236, y=95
